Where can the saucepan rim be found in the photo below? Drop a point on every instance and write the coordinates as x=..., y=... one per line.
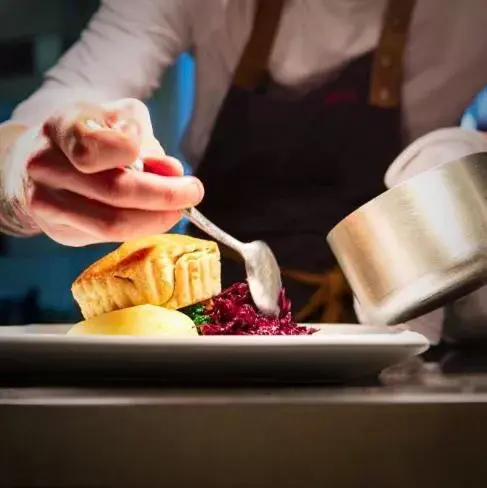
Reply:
x=400, y=186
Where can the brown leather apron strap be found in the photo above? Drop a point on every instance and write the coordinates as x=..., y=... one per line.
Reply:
x=252, y=67
x=329, y=297
x=388, y=68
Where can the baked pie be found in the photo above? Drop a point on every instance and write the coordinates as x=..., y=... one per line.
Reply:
x=169, y=270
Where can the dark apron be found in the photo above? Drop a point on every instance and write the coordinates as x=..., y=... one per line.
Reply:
x=286, y=165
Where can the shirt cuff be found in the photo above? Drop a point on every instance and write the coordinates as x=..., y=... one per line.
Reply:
x=429, y=325
x=434, y=149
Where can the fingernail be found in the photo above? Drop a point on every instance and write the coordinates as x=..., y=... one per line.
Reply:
x=199, y=190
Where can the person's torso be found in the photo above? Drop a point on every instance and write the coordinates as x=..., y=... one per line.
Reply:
x=445, y=60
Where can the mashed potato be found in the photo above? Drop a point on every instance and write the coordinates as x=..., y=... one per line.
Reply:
x=141, y=320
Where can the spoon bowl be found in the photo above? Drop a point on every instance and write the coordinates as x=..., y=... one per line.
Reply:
x=263, y=273
x=263, y=276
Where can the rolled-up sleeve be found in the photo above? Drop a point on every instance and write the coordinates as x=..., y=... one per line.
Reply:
x=122, y=53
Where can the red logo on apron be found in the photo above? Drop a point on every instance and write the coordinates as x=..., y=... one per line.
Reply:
x=339, y=97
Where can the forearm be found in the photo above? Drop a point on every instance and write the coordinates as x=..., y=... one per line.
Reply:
x=14, y=220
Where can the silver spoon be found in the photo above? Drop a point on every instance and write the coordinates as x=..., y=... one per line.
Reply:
x=263, y=274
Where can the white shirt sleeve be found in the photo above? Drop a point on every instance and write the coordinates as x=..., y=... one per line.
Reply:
x=122, y=53
x=465, y=318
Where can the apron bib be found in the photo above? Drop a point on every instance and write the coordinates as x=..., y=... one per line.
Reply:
x=286, y=165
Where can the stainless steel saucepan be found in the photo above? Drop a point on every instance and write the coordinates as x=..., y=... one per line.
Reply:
x=419, y=245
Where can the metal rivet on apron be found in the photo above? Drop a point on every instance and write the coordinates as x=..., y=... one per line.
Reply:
x=396, y=23
x=384, y=94
x=385, y=61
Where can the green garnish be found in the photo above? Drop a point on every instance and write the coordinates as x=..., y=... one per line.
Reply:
x=197, y=313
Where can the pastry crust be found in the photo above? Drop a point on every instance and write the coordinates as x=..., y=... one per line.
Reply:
x=169, y=270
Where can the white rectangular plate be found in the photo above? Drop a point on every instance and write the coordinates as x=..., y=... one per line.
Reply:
x=335, y=352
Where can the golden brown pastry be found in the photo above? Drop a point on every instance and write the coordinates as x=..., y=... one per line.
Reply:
x=169, y=270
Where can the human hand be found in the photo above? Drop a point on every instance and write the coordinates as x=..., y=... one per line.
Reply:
x=76, y=181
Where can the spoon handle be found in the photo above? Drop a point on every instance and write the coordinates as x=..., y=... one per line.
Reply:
x=200, y=221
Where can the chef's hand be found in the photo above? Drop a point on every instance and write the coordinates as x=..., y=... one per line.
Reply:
x=76, y=178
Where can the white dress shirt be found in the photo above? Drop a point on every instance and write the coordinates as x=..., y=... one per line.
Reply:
x=127, y=45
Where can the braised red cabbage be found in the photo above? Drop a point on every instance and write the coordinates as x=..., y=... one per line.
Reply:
x=233, y=312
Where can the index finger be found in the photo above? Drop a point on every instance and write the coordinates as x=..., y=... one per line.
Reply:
x=95, y=139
